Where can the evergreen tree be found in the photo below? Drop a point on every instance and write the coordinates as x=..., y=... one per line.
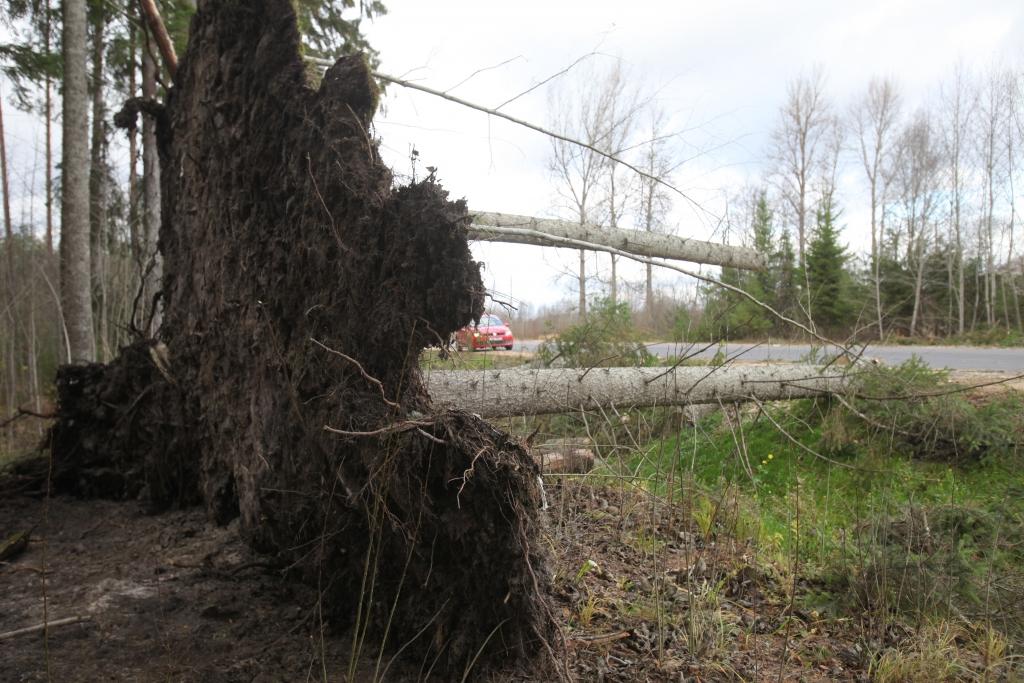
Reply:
x=729, y=314
x=826, y=272
x=764, y=234
x=327, y=34
x=783, y=264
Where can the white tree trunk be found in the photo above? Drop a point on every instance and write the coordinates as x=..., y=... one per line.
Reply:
x=495, y=393
x=498, y=227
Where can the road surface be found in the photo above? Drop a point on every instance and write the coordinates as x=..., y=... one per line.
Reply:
x=950, y=357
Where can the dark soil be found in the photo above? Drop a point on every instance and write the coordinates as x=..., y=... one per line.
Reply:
x=168, y=597
x=171, y=597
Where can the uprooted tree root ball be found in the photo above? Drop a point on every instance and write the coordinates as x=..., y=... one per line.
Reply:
x=299, y=290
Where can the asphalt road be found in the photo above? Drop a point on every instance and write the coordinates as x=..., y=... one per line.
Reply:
x=951, y=357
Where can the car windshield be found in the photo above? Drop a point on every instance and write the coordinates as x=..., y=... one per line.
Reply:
x=490, y=320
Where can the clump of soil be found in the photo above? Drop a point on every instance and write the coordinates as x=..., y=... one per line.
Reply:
x=115, y=436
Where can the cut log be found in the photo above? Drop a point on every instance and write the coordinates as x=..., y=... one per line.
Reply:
x=564, y=456
x=502, y=227
x=496, y=393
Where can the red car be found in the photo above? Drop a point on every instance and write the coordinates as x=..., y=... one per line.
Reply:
x=490, y=333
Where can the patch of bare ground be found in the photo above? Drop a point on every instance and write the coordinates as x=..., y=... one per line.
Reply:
x=988, y=382
x=167, y=597
x=641, y=593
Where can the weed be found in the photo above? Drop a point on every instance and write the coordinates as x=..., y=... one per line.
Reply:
x=931, y=656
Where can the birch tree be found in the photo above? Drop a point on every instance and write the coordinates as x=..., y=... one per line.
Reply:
x=797, y=147
x=917, y=179
x=577, y=170
x=957, y=102
x=653, y=199
x=874, y=118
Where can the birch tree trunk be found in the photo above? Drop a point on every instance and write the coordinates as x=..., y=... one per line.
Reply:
x=76, y=302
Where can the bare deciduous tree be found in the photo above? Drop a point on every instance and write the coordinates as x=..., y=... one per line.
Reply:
x=917, y=178
x=797, y=147
x=654, y=200
x=991, y=138
x=621, y=110
x=577, y=169
x=957, y=104
x=874, y=118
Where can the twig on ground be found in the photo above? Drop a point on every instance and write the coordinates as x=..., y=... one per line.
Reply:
x=46, y=625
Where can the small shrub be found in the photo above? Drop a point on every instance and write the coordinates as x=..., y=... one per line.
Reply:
x=605, y=337
x=912, y=407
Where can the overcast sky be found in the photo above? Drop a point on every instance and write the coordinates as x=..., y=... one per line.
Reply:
x=720, y=69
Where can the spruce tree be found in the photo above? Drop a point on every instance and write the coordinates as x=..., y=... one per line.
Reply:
x=826, y=275
x=783, y=264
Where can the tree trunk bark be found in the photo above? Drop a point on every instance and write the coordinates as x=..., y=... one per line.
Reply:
x=152, y=260
x=6, y=187
x=500, y=393
x=97, y=194
x=7, y=282
x=299, y=290
x=876, y=258
x=133, y=153
x=583, y=285
x=919, y=249
x=48, y=113
x=649, y=294
x=498, y=227
x=613, y=292
x=76, y=302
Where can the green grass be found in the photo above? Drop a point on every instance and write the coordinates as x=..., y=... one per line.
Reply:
x=472, y=360
x=867, y=528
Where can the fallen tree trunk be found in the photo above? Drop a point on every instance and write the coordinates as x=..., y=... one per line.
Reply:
x=496, y=393
x=500, y=227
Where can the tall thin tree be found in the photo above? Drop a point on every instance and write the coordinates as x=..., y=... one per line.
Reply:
x=76, y=302
x=874, y=118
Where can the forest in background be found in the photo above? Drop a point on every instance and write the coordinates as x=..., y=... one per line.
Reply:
x=942, y=181
x=941, y=185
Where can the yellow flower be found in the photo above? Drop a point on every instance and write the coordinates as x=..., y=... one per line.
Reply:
x=770, y=456
x=764, y=462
